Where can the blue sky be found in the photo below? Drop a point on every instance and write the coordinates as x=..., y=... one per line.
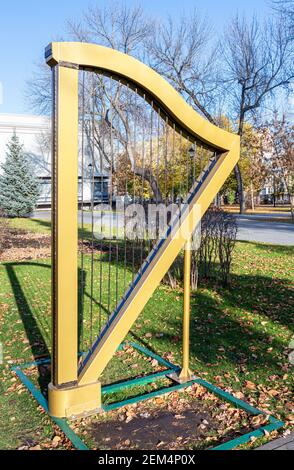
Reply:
x=27, y=26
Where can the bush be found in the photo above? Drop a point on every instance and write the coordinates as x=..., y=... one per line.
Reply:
x=218, y=237
x=213, y=257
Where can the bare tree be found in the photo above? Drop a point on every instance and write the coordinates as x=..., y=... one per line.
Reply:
x=253, y=161
x=281, y=149
x=286, y=9
x=179, y=50
x=238, y=76
x=117, y=25
x=119, y=116
x=253, y=61
x=111, y=108
x=258, y=61
x=38, y=93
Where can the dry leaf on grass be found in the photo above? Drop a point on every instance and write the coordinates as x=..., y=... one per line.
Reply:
x=250, y=385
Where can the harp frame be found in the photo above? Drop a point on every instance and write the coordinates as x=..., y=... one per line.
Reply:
x=75, y=390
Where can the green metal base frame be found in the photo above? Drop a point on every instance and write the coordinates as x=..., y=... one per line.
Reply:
x=62, y=423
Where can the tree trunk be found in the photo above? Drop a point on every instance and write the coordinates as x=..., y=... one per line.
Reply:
x=237, y=170
x=291, y=200
x=147, y=175
x=252, y=196
x=240, y=188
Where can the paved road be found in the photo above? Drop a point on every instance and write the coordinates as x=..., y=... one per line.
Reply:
x=46, y=215
x=249, y=229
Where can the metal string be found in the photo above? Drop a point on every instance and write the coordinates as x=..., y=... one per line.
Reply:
x=117, y=216
x=194, y=161
x=173, y=162
x=181, y=160
x=111, y=171
x=102, y=152
x=188, y=158
x=92, y=209
x=125, y=236
x=165, y=160
x=151, y=158
x=134, y=241
x=157, y=156
x=171, y=156
x=82, y=215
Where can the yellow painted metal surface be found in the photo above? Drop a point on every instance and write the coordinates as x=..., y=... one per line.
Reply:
x=71, y=402
x=67, y=58
x=65, y=228
x=158, y=268
x=186, y=374
x=144, y=78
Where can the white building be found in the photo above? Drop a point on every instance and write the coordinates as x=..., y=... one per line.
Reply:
x=34, y=132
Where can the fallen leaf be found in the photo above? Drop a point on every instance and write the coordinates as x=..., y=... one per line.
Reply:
x=250, y=385
x=55, y=441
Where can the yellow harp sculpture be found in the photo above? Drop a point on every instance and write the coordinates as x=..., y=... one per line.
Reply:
x=76, y=388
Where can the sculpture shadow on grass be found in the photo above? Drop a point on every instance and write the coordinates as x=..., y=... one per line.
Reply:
x=212, y=326
x=35, y=327
x=218, y=332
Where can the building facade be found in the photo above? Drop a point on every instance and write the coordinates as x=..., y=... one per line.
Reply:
x=34, y=133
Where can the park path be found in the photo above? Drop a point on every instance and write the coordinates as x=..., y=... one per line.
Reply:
x=250, y=227
x=283, y=443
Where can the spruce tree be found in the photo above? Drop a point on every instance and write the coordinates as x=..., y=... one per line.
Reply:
x=19, y=188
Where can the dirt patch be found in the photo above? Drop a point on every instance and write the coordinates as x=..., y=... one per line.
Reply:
x=150, y=430
x=194, y=419
x=20, y=245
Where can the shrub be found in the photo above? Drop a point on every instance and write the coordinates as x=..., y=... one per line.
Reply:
x=218, y=237
x=213, y=257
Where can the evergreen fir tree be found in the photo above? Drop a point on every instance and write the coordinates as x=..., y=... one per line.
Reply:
x=19, y=188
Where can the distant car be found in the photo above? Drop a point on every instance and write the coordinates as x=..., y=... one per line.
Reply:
x=123, y=200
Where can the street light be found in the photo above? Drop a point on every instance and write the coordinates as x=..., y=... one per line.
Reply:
x=192, y=151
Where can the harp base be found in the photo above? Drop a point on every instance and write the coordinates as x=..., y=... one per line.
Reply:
x=182, y=378
x=74, y=401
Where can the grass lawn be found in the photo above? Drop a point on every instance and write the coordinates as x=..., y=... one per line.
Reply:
x=239, y=336
x=41, y=226
x=31, y=225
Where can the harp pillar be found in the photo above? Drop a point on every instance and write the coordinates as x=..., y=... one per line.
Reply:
x=66, y=397
x=186, y=374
